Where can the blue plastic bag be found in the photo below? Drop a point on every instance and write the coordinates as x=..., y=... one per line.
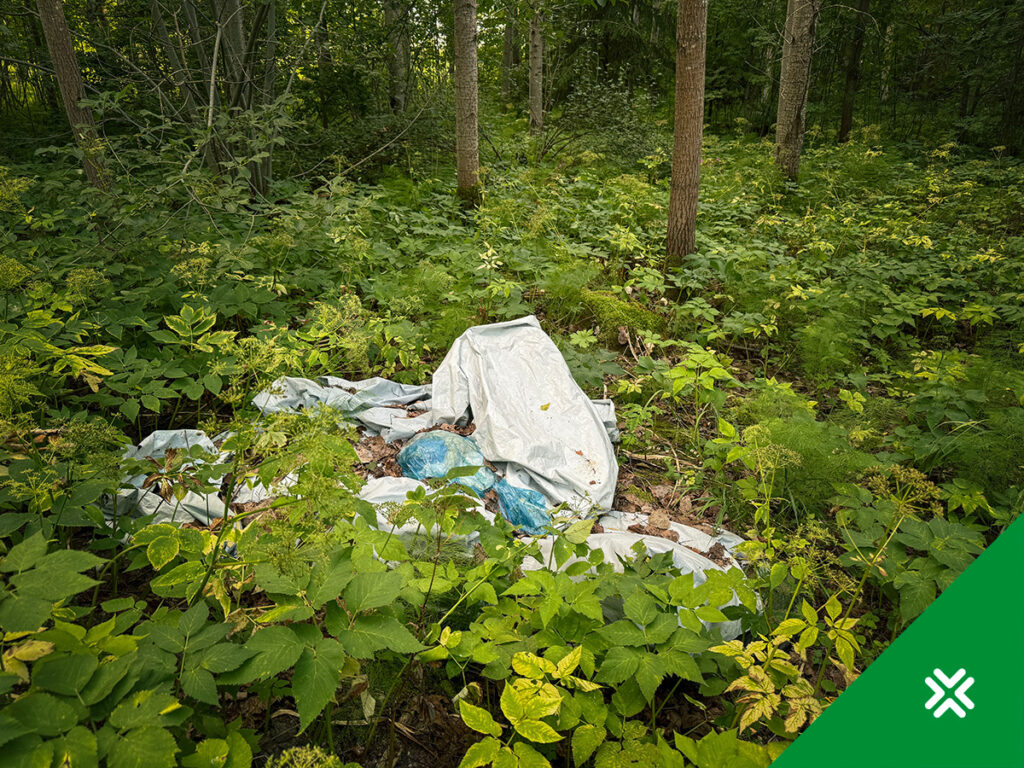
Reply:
x=523, y=507
x=433, y=454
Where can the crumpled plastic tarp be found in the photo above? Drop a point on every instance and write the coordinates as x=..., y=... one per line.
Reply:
x=551, y=443
x=434, y=454
x=139, y=501
x=532, y=419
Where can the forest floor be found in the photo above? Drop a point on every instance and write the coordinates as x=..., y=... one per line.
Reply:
x=841, y=382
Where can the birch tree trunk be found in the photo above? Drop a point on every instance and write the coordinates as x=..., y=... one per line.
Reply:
x=852, y=82
x=794, y=81
x=688, y=129
x=537, y=70
x=467, y=139
x=72, y=90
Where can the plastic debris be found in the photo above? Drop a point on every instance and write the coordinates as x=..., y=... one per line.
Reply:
x=532, y=419
x=434, y=454
x=551, y=446
x=523, y=507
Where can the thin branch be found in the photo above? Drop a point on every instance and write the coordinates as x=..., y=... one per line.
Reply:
x=213, y=77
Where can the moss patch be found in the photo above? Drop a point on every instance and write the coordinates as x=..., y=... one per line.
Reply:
x=611, y=313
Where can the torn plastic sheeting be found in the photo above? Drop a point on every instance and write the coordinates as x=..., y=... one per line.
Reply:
x=531, y=416
x=434, y=454
x=140, y=501
x=688, y=536
x=378, y=404
x=618, y=546
x=523, y=507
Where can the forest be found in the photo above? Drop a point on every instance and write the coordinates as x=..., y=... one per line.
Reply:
x=239, y=240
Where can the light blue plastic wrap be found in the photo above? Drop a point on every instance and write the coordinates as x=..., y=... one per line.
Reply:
x=523, y=507
x=434, y=454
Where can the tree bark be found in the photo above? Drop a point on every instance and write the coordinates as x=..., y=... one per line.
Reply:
x=72, y=90
x=794, y=82
x=852, y=82
x=509, y=49
x=688, y=129
x=537, y=69
x=397, y=23
x=467, y=139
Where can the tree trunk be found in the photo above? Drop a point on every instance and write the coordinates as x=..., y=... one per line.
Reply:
x=852, y=83
x=691, y=42
x=537, y=70
x=467, y=139
x=509, y=50
x=397, y=23
x=887, y=63
x=794, y=81
x=72, y=90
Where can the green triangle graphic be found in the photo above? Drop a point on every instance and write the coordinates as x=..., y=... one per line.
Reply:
x=976, y=625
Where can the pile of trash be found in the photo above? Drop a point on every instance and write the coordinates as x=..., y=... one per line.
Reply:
x=503, y=399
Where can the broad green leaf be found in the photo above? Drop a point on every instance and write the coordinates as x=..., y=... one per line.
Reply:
x=327, y=581
x=210, y=753
x=46, y=584
x=194, y=618
x=77, y=749
x=65, y=675
x=578, y=532
x=623, y=632
x=375, y=632
x=529, y=757
x=144, y=747
x=640, y=607
x=372, y=590
x=536, y=730
x=649, y=673
x=619, y=664
x=24, y=614
x=532, y=666
x=789, y=627
x=480, y=754
x=568, y=663
x=316, y=678
x=24, y=555
x=162, y=550
x=276, y=649
x=65, y=560
x=223, y=657
x=511, y=705
x=143, y=708
x=585, y=740
x=44, y=714
x=478, y=719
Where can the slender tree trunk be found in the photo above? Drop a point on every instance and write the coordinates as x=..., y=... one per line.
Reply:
x=72, y=90
x=794, y=82
x=852, y=83
x=467, y=139
x=688, y=129
x=537, y=69
x=887, y=62
x=397, y=23
x=509, y=49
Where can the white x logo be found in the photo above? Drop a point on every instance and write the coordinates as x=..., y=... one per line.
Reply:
x=941, y=693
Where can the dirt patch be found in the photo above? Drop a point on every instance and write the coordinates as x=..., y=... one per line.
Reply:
x=378, y=458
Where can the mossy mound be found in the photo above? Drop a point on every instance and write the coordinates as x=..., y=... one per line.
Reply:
x=611, y=313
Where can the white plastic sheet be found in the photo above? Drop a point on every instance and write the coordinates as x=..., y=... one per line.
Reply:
x=532, y=419
x=138, y=501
